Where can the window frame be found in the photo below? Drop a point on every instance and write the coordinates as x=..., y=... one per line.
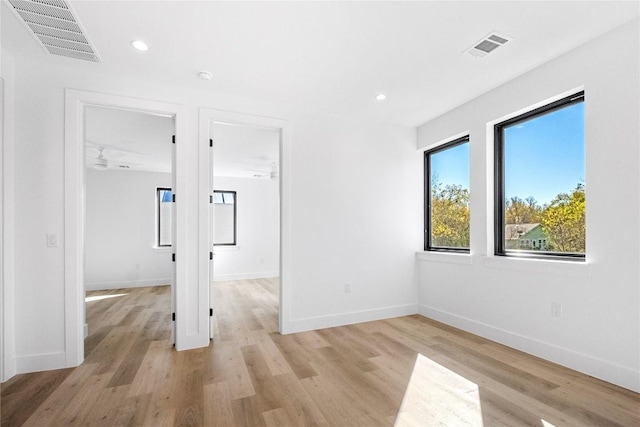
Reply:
x=427, y=196
x=158, y=201
x=235, y=217
x=499, y=181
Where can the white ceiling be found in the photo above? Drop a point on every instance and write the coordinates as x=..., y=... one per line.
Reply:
x=244, y=151
x=333, y=57
x=138, y=141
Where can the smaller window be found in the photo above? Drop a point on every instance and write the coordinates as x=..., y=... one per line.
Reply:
x=447, y=215
x=163, y=206
x=224, y=218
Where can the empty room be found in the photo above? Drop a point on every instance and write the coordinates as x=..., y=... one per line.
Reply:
x=320, y=213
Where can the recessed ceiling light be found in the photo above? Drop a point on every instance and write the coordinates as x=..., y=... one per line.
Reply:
x=381, y=97
x=140, y=45
x=205, y=75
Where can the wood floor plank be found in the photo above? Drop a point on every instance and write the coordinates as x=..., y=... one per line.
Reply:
x=299, y=406
x=275, y=360
x=297, y=357
x=225, y=363
x=154, y=371
x=218, y=409
x=408, y=370
x=277, y=418
x=22, y=395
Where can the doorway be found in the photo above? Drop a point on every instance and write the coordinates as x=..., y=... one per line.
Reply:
x=245, y=212
x=76, y=103
x=209, y=118
x=127, y=202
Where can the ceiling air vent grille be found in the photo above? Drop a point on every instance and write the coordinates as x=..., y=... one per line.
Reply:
x=55, y=27
x=487, y=44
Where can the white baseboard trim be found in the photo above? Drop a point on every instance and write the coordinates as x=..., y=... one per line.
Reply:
x=101, y=286
x=321, y=322
x=598, y=368
x=245, y=276
x=41, y=362
x=10, y=369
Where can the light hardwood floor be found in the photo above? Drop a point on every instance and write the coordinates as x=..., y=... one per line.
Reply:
x=408, y=371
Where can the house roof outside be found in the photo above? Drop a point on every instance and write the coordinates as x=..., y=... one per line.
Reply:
x=518, y=231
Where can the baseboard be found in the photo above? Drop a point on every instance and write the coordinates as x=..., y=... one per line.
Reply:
x=41, y=362
x=321, y=322
x=9, y=368
x=101, y=286
x=598, y=368
x=245, y=276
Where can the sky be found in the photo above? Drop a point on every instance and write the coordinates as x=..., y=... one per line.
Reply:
x=451, y=166
x=543, y=156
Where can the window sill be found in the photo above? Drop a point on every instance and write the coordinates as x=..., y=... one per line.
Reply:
x=537, y=265
x=162, y=249
x=448, y=257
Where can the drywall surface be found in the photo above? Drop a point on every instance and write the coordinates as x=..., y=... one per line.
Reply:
x=257, y=251
x=356, y=220
x=509, y=300
x=120, y=230
x=353, y=212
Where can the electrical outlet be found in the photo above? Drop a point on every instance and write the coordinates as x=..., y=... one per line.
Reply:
x=556, y=309
x=347, y=288
x=52, y=240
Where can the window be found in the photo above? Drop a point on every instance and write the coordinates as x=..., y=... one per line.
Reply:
x=447, y=197
x=163, y=202
x=224, y=217
x=540, y=181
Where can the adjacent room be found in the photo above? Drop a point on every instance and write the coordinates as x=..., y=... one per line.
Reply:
x=320, y=213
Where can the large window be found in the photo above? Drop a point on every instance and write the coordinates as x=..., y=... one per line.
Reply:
x=540, y=182
x=224, y=217
x=447, y=212
x=163, y=207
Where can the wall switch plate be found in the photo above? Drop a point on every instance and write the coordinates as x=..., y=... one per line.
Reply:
x=347, y=288
x=556, y=309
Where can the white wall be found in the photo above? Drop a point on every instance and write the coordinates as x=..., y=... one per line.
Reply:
x=8, y=220
x=353, y=206
x=258, y=246
x=120, y=230
x=356, y=219
x=509, y=300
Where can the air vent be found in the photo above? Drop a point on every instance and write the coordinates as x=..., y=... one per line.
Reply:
x=55, y=27
x=487, y=44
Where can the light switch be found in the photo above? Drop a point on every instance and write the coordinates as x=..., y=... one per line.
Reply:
x=52, y=240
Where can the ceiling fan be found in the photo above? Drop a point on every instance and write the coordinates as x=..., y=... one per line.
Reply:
x=101, y=162
x=272, y=173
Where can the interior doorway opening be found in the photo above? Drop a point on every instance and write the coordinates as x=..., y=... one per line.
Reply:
x=128, y=206
x=76, y=103
x=244, y=182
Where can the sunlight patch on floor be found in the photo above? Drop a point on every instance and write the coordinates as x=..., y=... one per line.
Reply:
x=437, y=396
x=100, y=297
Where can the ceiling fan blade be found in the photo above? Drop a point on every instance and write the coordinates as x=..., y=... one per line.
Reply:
x=111, y=148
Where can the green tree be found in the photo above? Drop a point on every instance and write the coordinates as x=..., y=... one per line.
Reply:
x=449, y=215
x=564, y=221
x=518, y=211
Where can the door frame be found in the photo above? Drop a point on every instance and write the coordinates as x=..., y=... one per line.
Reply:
x=208, y=116
x=74, y=199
